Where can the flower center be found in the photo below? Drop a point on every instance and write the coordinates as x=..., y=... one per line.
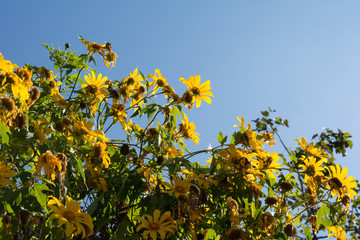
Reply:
x=96, y=46
x=154, y=226
x=336, y=183
x=130, y=81
x=195, y=91
x=311, y=170
x=160, y=82
x=180, y=189
x=69, y=215
x=91, y=89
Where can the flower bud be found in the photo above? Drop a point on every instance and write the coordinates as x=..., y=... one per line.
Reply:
x=271, y=200
x=34, y=94
x=160, y=160
x=153, y=132
x=125, y=149
x=20, y=120
x=286, y=186
x=290, y=230
x=8, y=103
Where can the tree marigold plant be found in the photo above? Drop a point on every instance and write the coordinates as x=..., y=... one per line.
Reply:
x=64, y=176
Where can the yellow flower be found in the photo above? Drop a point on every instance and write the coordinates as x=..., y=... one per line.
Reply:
x=77, y=222
x=312, y=167
x=50, y=163
x=156, y=224
x=110, y=59
x=340, y=184
x=187, y=130
x=93, y=47
x=248, y=137
x=97, y=177
x=6, y=66
x=179, y=186
x=239, y=159
x=200, y=92
x=202, y=179
x=159, y=80
x=268, y=162
x=93, y=86
x=82, y=128
x=310, y=149
x=132, y=79
x=6, y=172
x=338, y=232
x=99, y=152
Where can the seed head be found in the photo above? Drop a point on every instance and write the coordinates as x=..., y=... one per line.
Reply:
x=20, y=120
x=271, y=200
x=34, y=94
x=160, y=160
x=8, y=103
x=286, y=186
x=290, y=230
x=125, y=149
x=153, y=132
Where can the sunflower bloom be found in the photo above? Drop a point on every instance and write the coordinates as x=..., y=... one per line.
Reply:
x=340, y=184
x=178, y=187
x=187, y=130
x=159, y=80
x=268, y=163
x=239, y=159
x=312, y=167
x=93, y=86
x=50, y=163
x=310, y=149
x=6, y=172
x=99, y=152
x=77, y=222
x=156, y=225
x=6, y=66
x=200, y=92
x=338, y=232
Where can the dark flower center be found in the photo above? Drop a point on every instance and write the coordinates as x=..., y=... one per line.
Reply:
x=69, y=215
x=195, y=91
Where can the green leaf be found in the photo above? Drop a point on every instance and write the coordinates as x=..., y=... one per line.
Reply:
x=221, y=138
x=307, y=232
x=322, y=216
x=3, y=132
x=211, y=235
x=265, y=113
x=40, y=196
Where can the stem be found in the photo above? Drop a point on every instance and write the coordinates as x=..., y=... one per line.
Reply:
x=73, y=89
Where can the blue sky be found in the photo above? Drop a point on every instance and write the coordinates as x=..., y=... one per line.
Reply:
x=301, y=58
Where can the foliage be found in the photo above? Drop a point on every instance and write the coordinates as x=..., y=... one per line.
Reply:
x=61, y=177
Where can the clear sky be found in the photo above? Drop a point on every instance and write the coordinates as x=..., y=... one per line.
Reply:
x=301, y=58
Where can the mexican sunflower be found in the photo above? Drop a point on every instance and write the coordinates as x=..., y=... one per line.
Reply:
x=178, y=187
x=156, y=224
x=6, y=66
x=200, y=92
x=93, y=86
x=187, y=130
x=310, y=149
x=6, y=172
x=77, y=222
x=99, y=152
x=340, y=184
x=312, y=167
x=338, y=232
x=50, y=163
x=159, y=80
